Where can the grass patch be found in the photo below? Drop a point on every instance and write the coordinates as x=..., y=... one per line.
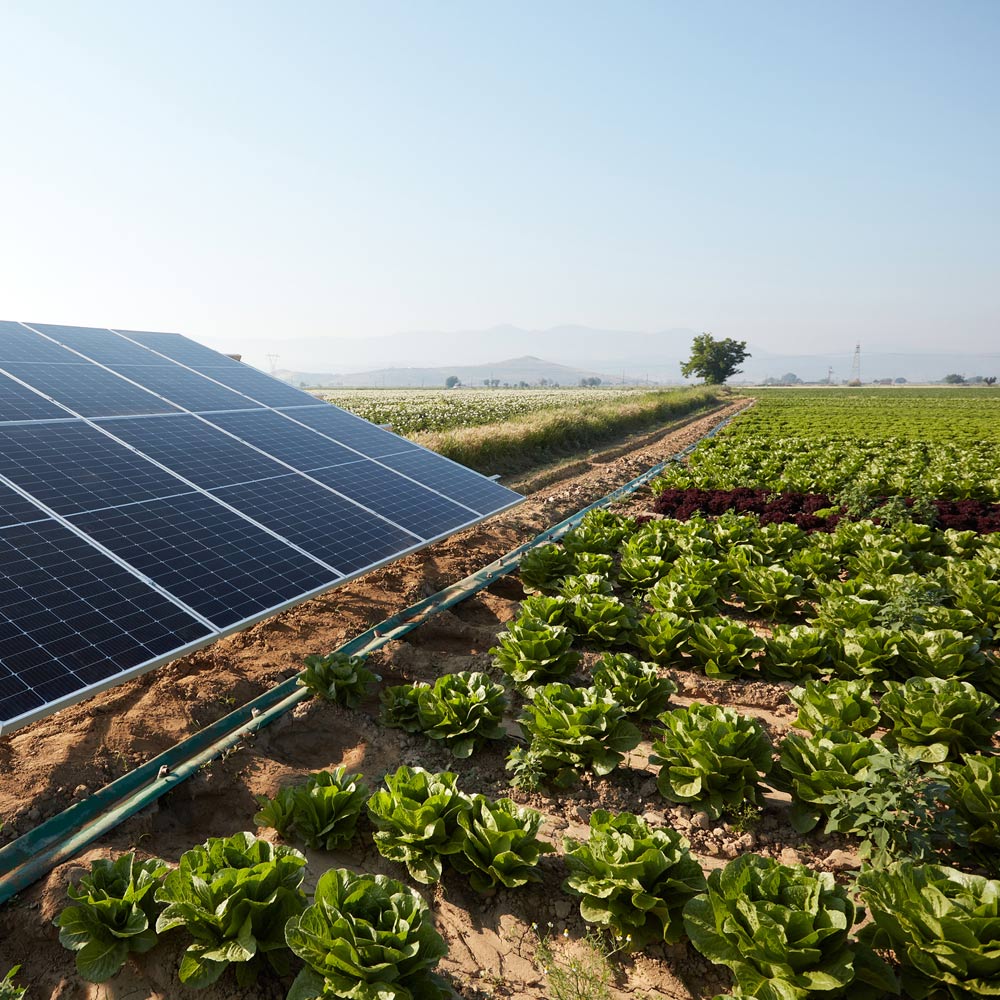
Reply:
x=534, y=438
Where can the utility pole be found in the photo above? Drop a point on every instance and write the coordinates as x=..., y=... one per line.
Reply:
x=829, y=376
x=272, y=360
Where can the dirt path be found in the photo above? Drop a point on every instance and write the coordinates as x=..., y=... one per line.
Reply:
x=51, y=763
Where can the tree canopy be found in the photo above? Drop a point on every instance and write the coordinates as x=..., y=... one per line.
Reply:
x=715, y=360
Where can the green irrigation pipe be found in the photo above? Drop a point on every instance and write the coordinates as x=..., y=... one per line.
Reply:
x=25, y=860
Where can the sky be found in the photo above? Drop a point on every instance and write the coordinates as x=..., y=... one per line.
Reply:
x=798, y=175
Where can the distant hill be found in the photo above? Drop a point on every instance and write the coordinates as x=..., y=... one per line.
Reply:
x=656, y=357
x=512, y=372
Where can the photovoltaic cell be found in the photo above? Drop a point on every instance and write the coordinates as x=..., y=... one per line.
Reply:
x=347, y=429
x=20, y=344
x=72, y=467
x=339, y=532
x=265, y=389
x=298, y=446
x=455, y=481
x=102, y=346
x=70, y=618
x=19, y=403
x=195, y=450
x=180, y=349
x=14, y=509
x=188, y=390
x=216, y=562
x=146, y=530
x=89, y=390
x=391, y=495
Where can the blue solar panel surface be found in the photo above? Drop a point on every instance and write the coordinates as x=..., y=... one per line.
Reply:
x=177, y=494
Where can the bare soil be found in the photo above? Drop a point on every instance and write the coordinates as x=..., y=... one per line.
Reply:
x=61, y=759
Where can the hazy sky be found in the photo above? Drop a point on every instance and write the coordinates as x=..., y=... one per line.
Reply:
x=796, y=174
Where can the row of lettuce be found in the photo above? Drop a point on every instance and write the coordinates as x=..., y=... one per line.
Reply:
x=929, y=445
x=782, y=930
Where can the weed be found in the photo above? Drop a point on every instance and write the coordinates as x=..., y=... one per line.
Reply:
x=744, y=817
x=577, y=970
x=9, y=990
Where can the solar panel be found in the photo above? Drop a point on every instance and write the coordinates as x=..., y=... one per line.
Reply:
x=155, y=495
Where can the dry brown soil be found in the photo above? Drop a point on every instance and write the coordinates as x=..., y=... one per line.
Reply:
x=50, y=764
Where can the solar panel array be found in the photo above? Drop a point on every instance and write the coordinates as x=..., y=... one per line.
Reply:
x=155, y=495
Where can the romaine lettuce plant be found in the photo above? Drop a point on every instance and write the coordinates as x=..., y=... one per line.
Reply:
x=632, y=879
x=771, y=590
x=833, y=705
x=600, y=531
x=639, y=570
x=542, y=567
x=683, y=597
x=661, y=635
x=946, y=653
x=233, y=896
x=113, y=914
x=401, y=706
x=534, y=652
x=499, y=844
x=723, y=648
x=338, y=677
x=322, y=812
x=862, y=789
x=785, y=932
x=942, y=926
x=712, y=756
x=600, y=620
x=462, y=711
x=587, y=584
x=796, y=653
x=634, y=684
x=934, y=719
x=867, y=652
x=975, y=796
x=366, y=937
x=819, y=769
x=544, y=610
x=594, y=562
x=416, y=818
x=572, y=729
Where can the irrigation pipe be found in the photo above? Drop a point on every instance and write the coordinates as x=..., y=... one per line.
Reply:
x=32, y=855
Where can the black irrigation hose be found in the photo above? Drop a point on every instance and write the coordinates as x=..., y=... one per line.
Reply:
x=32, y=855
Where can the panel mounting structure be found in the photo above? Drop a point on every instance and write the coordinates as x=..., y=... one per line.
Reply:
x=156, y=495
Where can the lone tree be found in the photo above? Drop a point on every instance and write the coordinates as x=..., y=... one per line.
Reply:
x=451, y=381
x=715, y=360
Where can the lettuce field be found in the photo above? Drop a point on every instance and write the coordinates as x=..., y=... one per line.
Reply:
x=735, y=737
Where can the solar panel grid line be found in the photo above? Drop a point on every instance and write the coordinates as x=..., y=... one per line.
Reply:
x=198, y=489
x=237, y=366
x=207, y=557
x=371, y=459
x=305, y=475
x=139, y=385
x=50, y=514
x=44, y=396
x=91, y=361
x=210, y=466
